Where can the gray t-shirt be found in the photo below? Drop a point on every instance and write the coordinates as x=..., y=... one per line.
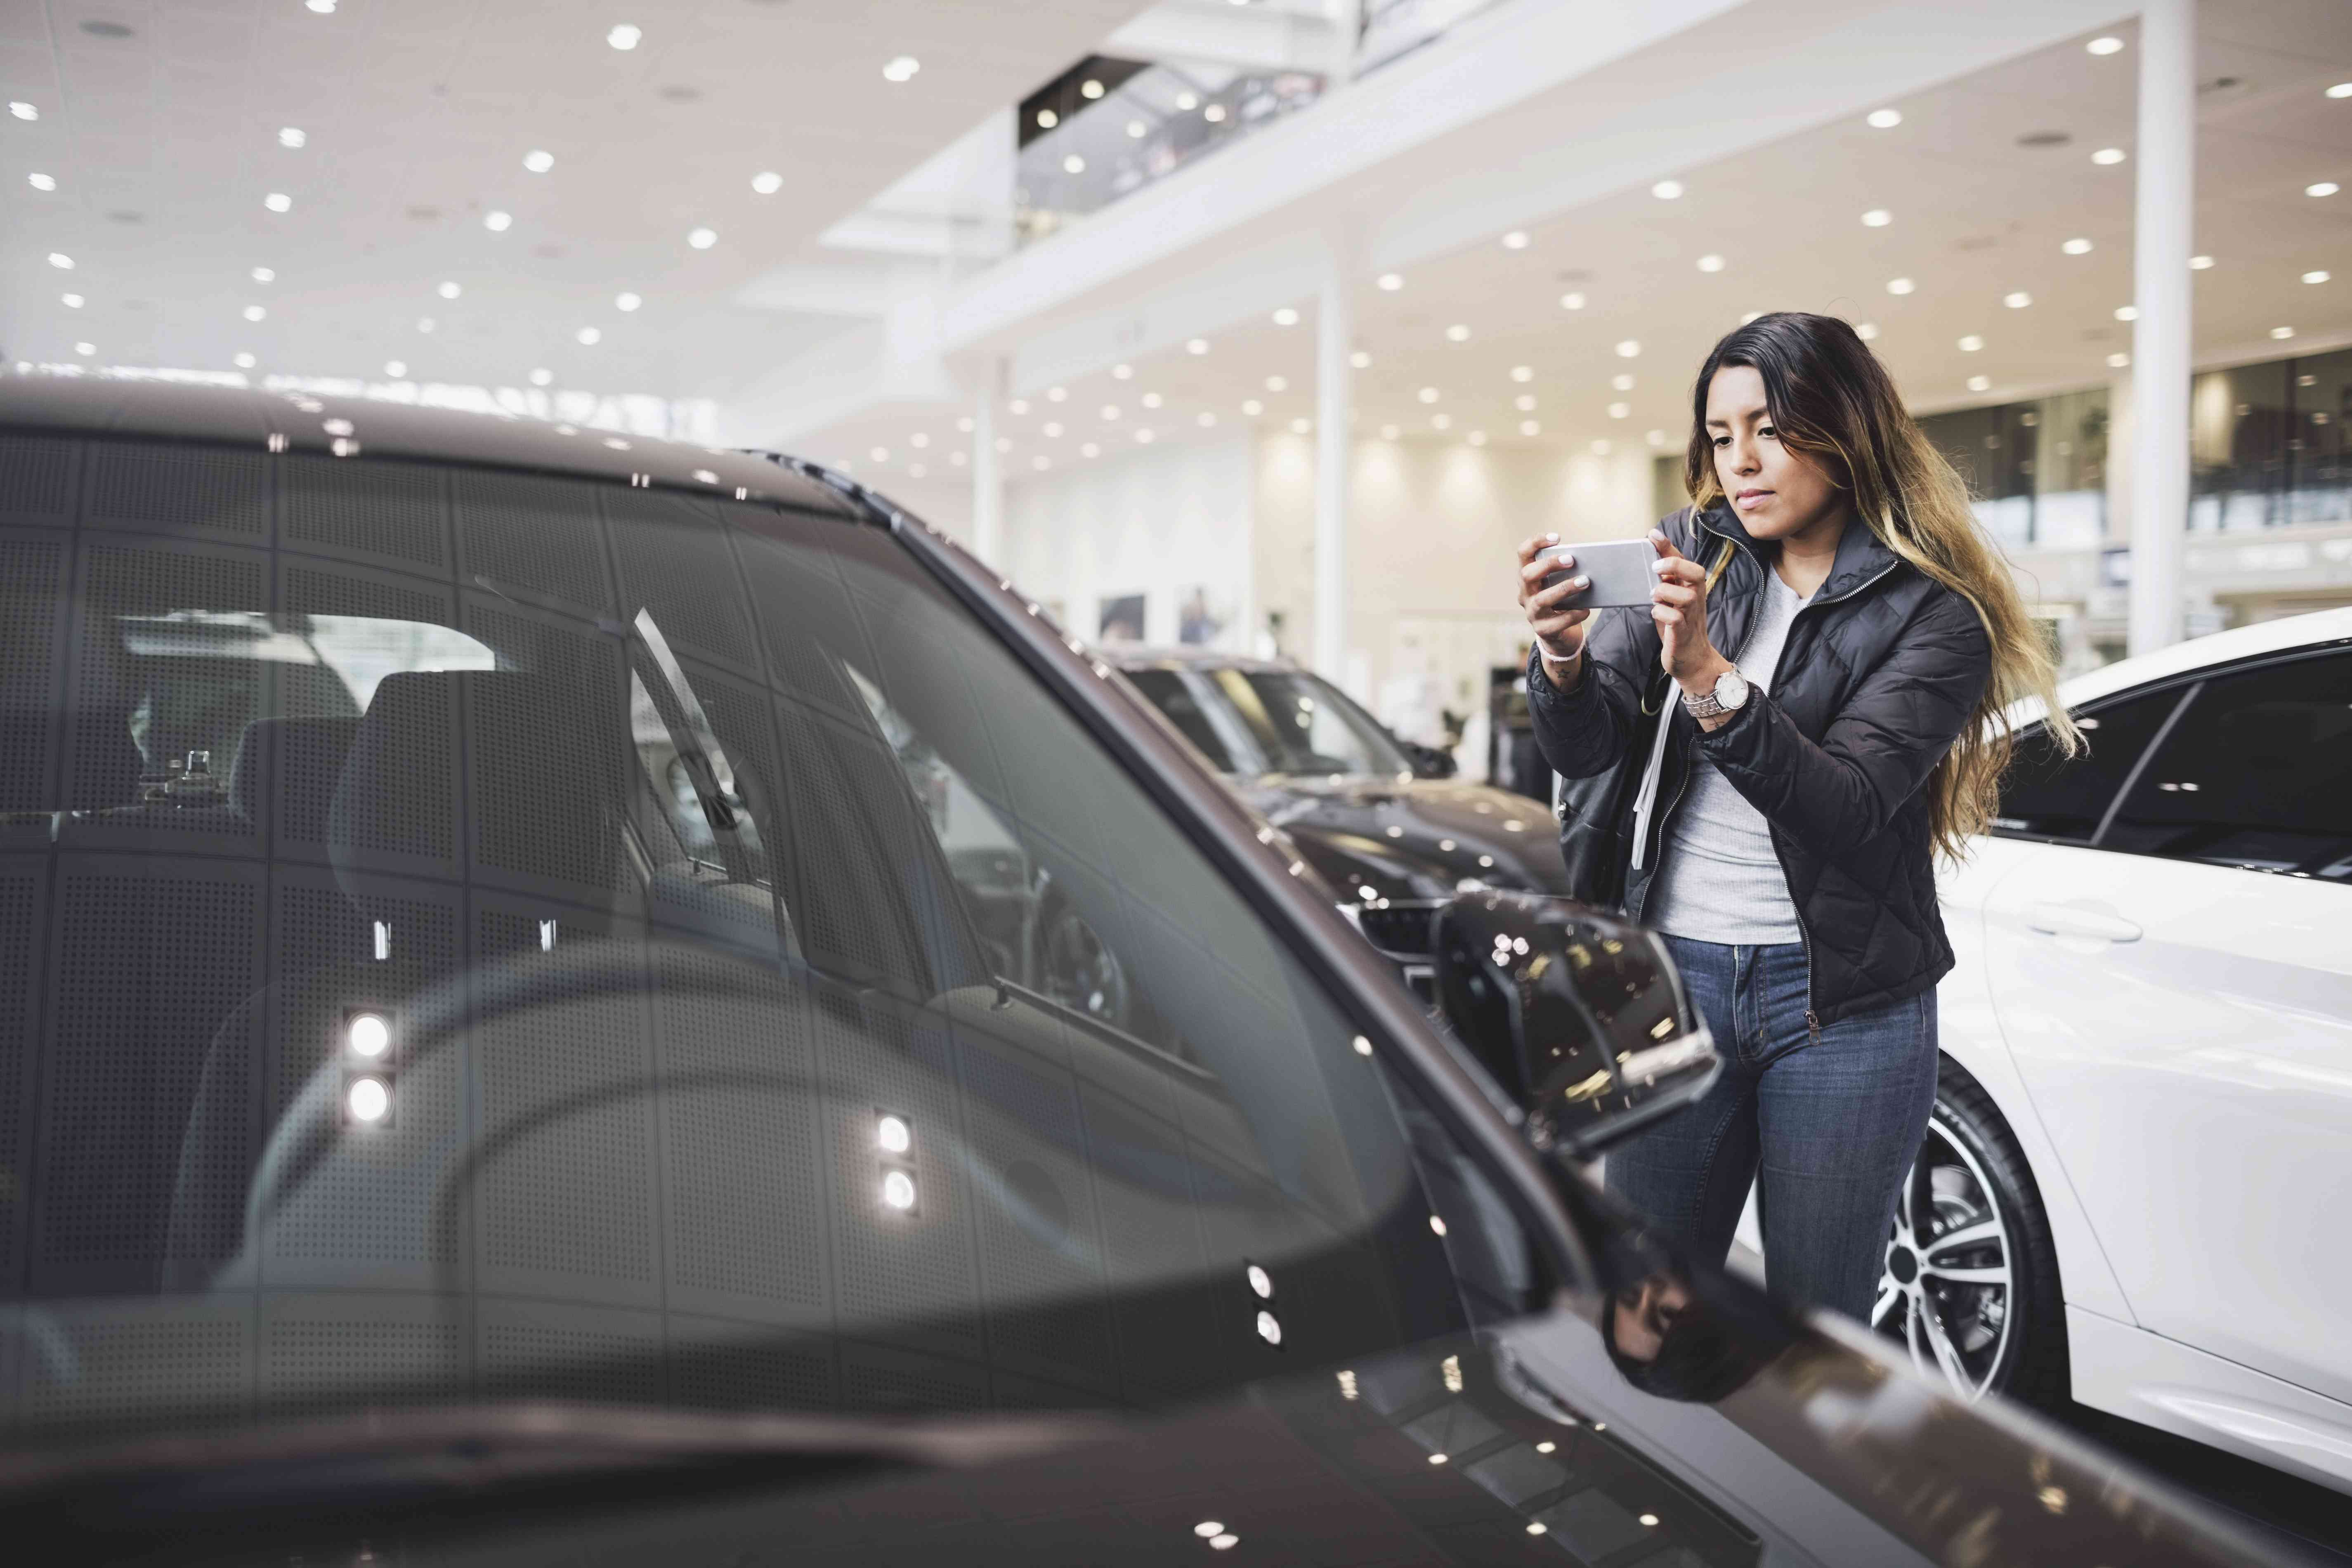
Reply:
x=1719, y=880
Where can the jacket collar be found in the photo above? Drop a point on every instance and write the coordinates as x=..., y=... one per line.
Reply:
x=1861, y=557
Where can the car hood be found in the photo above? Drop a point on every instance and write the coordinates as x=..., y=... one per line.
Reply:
x=1507, y=1446
x=1416, y=840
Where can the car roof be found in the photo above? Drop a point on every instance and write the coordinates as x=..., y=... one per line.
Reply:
x=295, y=421
x=2291, y=632
x=1143, y=655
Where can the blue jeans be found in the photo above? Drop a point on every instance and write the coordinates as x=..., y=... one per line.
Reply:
x=1834, y=1123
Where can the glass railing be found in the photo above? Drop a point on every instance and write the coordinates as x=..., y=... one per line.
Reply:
x=2037, y=470
x=2267, y=445
x=1144, y=129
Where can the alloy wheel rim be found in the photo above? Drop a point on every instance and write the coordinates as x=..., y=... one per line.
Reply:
x=1948, y=1287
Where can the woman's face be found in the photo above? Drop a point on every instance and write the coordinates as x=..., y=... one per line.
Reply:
x=1776, y=493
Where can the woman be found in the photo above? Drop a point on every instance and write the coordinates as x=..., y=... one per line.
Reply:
x=1841, y=678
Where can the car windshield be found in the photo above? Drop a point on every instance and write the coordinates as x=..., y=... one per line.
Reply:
x=1271, y=722
x=473, y=935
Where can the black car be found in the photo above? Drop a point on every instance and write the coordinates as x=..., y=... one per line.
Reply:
x=541, y=1020
x=1384, y=822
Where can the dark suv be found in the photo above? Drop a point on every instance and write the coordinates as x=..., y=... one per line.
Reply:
x=531, y=1028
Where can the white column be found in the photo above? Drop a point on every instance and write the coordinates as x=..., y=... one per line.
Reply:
x=987, y=472
x=1334, y=331
x=2163, y=209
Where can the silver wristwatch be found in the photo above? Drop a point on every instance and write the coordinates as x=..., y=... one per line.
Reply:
x=1730, y=695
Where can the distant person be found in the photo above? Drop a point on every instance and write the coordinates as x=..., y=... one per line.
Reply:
x=1832, y=643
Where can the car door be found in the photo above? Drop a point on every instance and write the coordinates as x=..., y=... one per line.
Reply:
x=2176, y=987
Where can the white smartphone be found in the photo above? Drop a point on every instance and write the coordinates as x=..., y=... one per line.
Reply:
x=1622, y=571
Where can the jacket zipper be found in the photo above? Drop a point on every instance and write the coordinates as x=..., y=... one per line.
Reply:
x=1804, y=936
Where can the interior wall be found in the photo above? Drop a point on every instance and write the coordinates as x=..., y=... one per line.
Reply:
x=1433, y=529
x=1161, y=521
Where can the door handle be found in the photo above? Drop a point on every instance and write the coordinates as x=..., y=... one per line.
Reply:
x=2073, y=919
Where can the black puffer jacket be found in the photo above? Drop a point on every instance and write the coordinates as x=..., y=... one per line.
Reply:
x=1882, y=668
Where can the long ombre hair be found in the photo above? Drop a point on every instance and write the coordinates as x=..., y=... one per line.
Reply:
x=1835, y=407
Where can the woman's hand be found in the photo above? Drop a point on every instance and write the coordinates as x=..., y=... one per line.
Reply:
x=1678, y=604
x=1559, y=633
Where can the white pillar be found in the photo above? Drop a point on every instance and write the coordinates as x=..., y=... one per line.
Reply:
x=1334, y=331
x=2164, y=191
x=987, y=473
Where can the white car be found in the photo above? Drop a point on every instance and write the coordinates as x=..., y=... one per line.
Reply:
x=2137, y=1187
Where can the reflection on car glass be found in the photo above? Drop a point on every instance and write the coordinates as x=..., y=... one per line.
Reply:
x=360, y=650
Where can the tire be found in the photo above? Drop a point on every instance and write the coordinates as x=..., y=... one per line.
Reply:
x=1971, y=1249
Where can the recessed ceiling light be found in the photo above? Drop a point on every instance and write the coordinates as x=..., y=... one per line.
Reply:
x=1122, y=373
x=1516, y=240
x=1388, y=432
x=2199, y=263
x=1214, y=114
x=2017, y=301
x=541, y=377
x=1392, y=282
x=901, y=69
x=70, y=301
x=1477, y=438
x=623, y=36
x=1457, y=333
x=767, y=182
x=2341, y=89
x=539, y=160
x=1620, y=410
x=23, y=111
x=1428, y=394
x=1188, y=101
x=1300, y=426
x=84, y=349
x=1090, y=89
x=1057, y=395
x=1655, y=438
x=1600, y=447
x=2319, y=276
x=1750, y=316
x=1285, y=317
x=2126, y=313
x=1253, y=407
x=448, y=290
x=1074, y=165
x=1980, y=383
x=1144, y=437
x=1629, y=349
x=1884, y=119
x=1197, y=346
x=1360, y=360
x=291, y=136
x=1710, y=263
x=1530, y=427
x=42, y=181
x=1622, y=383
x=2117, y=362
x=1877, y=217
x=1900, y=285
x=1086, y=450
x=880, y=454
x=2076, y=247
x=1571, y=302
x=323, y=7
x=1151, y=400
x=1525, y=402
x=263, y=275
x=1137, y=130
x=426, y=323
x=2323, y=188
x=279, y=202
x=919, y=439
x=255, y=313
x=2107, y=155
x=1667, y=190
x=243, y=360
x=1523, y=373
x=497, y=222
x=1018, y=405
x=627, y=301
x=702, y=238
x=395, y=368
x=2282, y=332
x=589, y=335
x=1047, y=119
x=60, y=260
x=2104, y=46
x=1441, y=421
x=1053, y=429
x=1866, y=331
x=1971, y=343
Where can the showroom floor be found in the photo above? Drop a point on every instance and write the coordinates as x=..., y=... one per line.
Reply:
x=2276, y=1506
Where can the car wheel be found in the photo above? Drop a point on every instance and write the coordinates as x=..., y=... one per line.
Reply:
x=1970, y=1280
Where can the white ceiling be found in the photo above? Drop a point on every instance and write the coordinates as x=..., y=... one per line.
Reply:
x=417, y=115
x=1975, y=217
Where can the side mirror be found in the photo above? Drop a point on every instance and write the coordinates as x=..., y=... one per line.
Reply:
x=1578, y=1016
x=1428, y=762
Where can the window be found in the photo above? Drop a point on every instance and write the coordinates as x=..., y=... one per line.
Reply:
x=1306, y=725
x=2257, y=774
x=506, y=936
x=2047, y=795
x=1167, y=690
